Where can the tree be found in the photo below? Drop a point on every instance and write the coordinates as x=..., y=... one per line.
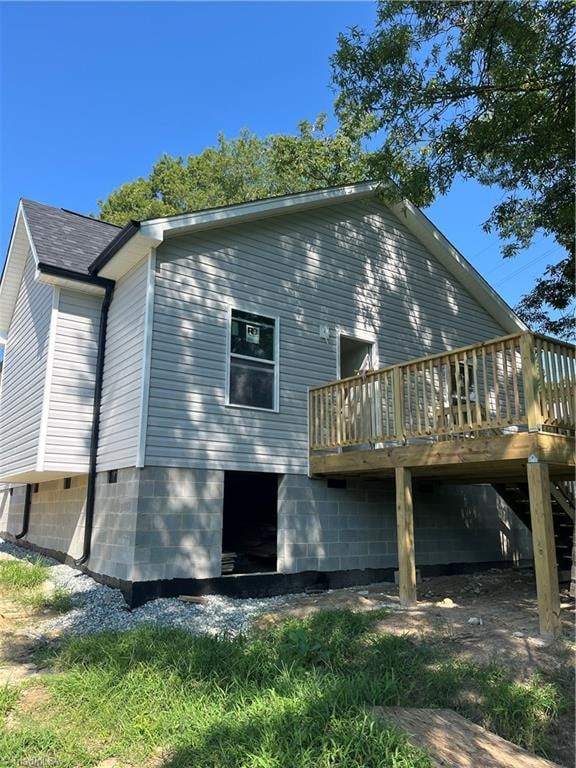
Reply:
x=480, y=89
x=238, y=170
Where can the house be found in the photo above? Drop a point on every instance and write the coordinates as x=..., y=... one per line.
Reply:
x=166, y=421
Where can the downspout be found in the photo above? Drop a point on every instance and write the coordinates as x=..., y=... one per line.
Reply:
x=91, y=488
x=26, y=515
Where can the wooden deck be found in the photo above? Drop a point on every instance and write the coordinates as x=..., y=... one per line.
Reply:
x=501, y=410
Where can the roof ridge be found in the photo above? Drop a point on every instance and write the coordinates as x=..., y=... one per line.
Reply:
x=91, y=218
x=72, y=213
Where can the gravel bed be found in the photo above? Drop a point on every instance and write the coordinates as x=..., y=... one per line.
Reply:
x=98, y=607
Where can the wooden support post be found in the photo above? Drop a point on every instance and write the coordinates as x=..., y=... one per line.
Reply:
x=544, y=549
x=405, y=527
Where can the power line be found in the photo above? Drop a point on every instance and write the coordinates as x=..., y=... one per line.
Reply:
x=524, y=267
x=504, y=262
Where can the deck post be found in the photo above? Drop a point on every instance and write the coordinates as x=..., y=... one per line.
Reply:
x=530, y=382
x=544, y=549
x=398, y=399
x=405, y=529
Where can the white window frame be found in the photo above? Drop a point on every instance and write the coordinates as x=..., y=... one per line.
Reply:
x=273, y=363
x=356, y=335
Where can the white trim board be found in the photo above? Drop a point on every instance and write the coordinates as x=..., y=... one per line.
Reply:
x=146, y=358
x=259, y=209
x=48, y=380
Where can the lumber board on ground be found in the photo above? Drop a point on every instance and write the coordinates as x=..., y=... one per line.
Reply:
x=452, y=741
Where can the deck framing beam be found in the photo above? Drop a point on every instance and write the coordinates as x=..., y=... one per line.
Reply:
x=405, y=532
x=544, y=551
x=481, y=457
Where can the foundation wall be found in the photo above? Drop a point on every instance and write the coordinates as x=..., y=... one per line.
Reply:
x=328, y=529
x=179, y=524
x=57, y=517
x=12, y=508
x=160, y=523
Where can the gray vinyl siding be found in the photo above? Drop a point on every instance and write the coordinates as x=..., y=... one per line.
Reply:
x=123, y=363
x=351, y=266
x=24, y=375
x=71, y=400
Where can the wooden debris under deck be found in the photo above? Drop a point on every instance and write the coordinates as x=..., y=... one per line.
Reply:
x=228, y=561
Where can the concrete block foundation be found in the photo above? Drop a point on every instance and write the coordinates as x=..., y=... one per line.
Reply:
x=328, y=528
x=162, y=524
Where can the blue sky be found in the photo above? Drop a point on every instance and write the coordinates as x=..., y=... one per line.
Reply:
x=93, y=93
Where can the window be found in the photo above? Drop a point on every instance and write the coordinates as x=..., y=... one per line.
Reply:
x=253, y=365
x=67, y=483
x=112, y=475
x=463, y=374
x=35, y=487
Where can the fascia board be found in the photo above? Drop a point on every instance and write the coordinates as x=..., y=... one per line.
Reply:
x=20, y=245
x=134, y=250
x=158, y=229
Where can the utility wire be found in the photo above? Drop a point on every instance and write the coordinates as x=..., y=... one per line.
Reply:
x=524, y=267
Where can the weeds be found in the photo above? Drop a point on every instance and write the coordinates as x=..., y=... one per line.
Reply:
x=22, y=574
x=297, y=694
x=8, y=698
x=59, y=601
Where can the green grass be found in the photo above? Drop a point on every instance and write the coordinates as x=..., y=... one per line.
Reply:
x=22, y=574
x=9, y=696
x=298, y=694
x=59, y=601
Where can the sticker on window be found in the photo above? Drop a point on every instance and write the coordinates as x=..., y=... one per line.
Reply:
x=253, y=334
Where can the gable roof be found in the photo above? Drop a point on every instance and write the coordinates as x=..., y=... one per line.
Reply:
x=65, y=239
x=62, y=243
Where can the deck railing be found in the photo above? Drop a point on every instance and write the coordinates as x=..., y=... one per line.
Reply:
x=522, y=381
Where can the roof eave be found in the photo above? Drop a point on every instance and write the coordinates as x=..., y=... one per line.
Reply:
x=258, y=209
x=126, y=233
x=69, y=275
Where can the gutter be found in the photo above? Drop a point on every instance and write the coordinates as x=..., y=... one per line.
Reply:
x=91, y=488
x=26, y=516
x=69, y=274
x=125, y=234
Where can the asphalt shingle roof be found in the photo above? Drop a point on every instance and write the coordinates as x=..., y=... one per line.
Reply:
x=65, y=239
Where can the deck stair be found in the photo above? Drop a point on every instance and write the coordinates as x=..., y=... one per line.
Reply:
x=562, y=498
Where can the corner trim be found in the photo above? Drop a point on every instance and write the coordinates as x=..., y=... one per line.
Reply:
x=146, y=358
x=41, y=456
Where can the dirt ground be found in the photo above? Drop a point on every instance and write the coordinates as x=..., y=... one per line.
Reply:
x=503, y=603
x=490, y=617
